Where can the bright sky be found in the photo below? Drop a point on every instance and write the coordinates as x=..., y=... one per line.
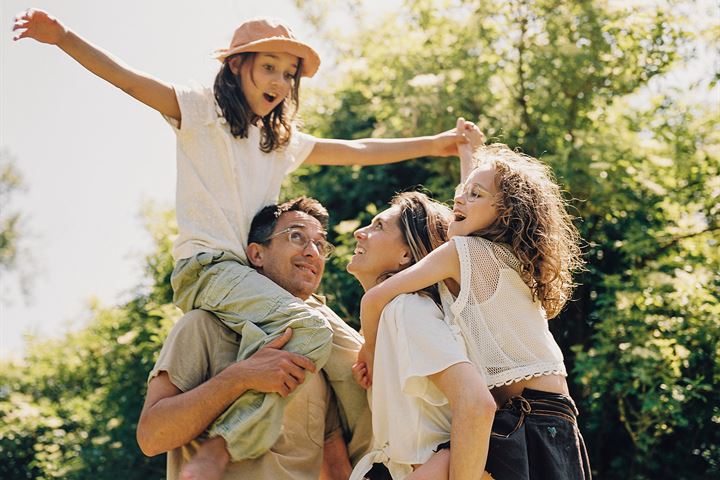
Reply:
x=90, y=155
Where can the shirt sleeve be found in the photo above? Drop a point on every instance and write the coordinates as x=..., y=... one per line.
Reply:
x=187, y=351
x=425, y=345
x=197, y=108
x=299, y=148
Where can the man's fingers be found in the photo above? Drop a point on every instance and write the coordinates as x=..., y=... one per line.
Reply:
x=280, y=342
x=297, y=373
x=302, y=362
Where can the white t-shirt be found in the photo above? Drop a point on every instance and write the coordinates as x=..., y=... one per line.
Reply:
x=223, y=181
x=410, y=415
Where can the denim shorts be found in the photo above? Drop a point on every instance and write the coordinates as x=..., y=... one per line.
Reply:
x=535, y=436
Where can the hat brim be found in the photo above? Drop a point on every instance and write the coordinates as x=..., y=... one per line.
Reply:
x=310, y=58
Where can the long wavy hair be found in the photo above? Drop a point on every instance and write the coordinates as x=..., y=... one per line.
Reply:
x=533, y=221
x=424, y=224
x=276, y=125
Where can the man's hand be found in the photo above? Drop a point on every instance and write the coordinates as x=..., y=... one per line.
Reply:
x=39, y=25
x=273, y=370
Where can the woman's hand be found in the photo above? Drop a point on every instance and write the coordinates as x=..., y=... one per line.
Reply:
x=39, y=25
x=362, y=369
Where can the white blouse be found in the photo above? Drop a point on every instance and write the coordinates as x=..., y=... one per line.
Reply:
x=410, y=415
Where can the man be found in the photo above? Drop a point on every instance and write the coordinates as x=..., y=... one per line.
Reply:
x=196, y=376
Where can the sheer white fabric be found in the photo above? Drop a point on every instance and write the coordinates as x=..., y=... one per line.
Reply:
x=505, y=331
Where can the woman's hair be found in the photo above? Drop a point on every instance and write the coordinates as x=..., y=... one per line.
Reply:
x=424, y=223
x=533, y=221
x=237, y=112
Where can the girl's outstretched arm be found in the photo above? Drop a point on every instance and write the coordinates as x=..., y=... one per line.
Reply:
x=377, y=151
x=45, y=28
x=440, y=264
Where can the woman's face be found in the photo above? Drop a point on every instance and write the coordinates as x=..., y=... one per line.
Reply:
x=380, y=248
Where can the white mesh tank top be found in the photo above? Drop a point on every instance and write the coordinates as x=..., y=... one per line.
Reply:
x=506, y=332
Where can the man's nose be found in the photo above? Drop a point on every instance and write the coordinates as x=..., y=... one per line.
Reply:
x=359, y=233
x=312, y=250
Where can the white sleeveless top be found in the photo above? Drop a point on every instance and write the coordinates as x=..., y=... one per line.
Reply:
x=505, y=331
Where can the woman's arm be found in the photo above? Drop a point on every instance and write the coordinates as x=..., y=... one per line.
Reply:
x=473, y=409
x=377, y=151
x=440, y=264
x=44, y=28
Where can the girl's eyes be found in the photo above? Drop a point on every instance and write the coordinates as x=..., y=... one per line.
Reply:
x=268, y=67
x=475, y=192
x=289, y=76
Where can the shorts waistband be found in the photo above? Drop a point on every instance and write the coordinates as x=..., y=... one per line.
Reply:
x=536, y=402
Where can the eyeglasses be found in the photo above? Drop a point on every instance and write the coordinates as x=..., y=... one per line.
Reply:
x=296, y=236
x=471, y=192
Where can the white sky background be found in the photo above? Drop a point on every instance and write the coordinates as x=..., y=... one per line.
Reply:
x=91, y=156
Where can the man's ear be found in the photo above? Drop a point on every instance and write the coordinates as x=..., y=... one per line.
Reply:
x=256, y=254
x=405, y=259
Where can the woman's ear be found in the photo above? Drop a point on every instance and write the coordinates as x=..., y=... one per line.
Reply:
x=255, y=254
x=405, y=259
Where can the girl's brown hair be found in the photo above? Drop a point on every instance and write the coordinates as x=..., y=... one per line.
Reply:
x=276, y=125
x=424, y=223
x=534, y=223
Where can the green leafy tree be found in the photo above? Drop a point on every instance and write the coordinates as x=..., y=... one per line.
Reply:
x=571, y=83
x=70, y=409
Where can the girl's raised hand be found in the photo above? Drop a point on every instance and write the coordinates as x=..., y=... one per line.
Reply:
x=39, y=25
x=471, y=133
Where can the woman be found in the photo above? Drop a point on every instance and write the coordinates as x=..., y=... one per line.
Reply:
x=417, y=391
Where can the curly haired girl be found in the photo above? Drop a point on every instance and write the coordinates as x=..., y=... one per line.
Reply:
x=506, y=270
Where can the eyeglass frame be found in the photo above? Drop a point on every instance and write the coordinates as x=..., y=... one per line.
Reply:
x=464, y=191
x=329, y=250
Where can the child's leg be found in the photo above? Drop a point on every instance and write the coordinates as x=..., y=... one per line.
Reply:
x=260, y=310
x=437, y=468
x=208, y=463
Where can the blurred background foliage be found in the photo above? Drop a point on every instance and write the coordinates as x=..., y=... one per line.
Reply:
x=583, y=86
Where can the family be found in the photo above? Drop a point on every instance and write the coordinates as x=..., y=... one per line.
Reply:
x=456, y=374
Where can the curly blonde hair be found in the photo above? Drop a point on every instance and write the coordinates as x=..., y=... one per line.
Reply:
x=533, y=221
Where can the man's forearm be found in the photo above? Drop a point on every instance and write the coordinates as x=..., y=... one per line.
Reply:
x=175, y=420
x=336, y=462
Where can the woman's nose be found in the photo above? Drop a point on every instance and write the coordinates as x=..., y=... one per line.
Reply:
x=359, y=233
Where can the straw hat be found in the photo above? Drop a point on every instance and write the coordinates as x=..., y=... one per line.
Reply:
x=268, y=35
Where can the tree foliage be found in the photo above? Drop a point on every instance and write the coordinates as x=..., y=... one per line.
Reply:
x=578, y=84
